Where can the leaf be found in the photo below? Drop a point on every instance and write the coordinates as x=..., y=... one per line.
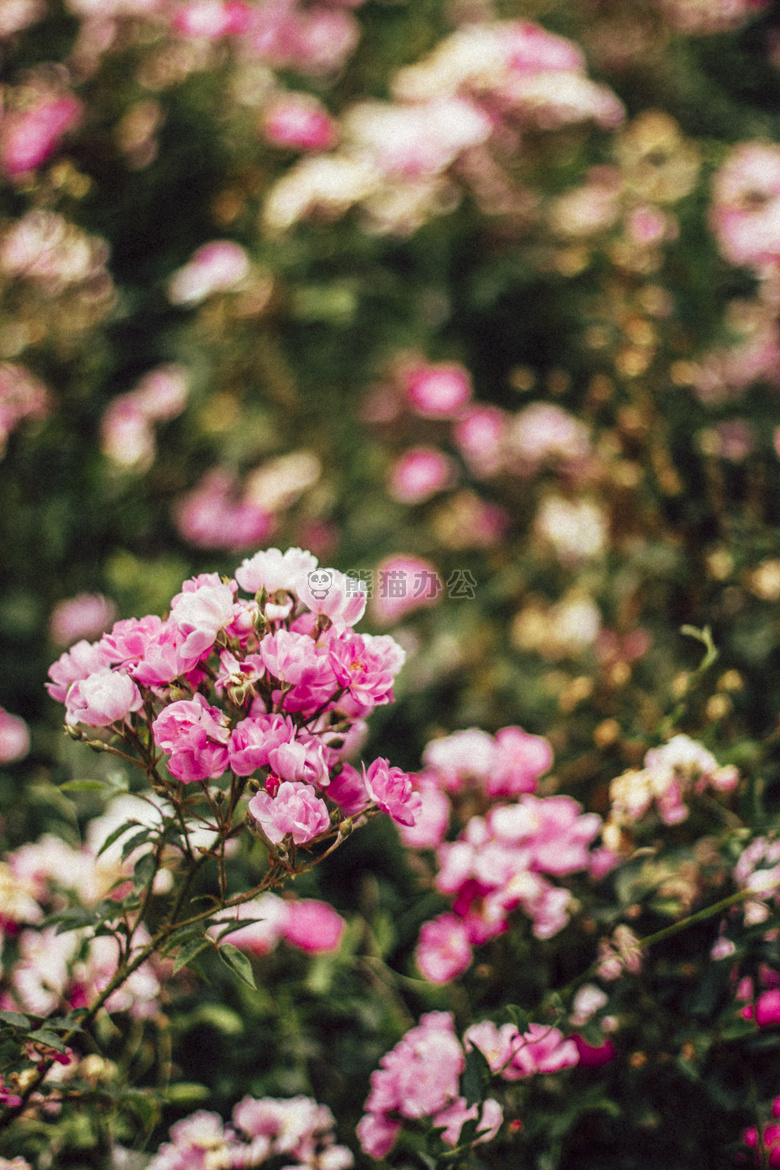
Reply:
x=475, y=1076
x=144, y=1105
x=518, y=1017
x=190, y=951
x=116, y=834
x=237, y=924
x=145, y=869
x=232, y=957
x=74, y=919
x=14, y=1020
x=187, y=1093
x=50, y=1039
x=136, y=840
x=84, y=786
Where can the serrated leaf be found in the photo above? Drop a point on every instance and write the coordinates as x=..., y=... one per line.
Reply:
x=116, y=834
x=136, y=840
x=238, y=962
x=190, y=951
x=14, y=1020
x=475, y=1076
x=84, y=786
x=144, y=871
x=518, y=1017
x=50, y=1039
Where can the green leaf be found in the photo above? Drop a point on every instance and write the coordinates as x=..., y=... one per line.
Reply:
x=74, y=919
x=116, y=834
x=518, y=1017
x=187, y=1093
x=145, y=869
x=84, y=786
x=50, y=1039
x=136, y=840
x=237, y=924
x=190, y=951
x=232, y=957
x=475, y=1076
x=14, y=1020
x=144, y=1105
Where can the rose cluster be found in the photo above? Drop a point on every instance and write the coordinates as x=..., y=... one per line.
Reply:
x=275, y=687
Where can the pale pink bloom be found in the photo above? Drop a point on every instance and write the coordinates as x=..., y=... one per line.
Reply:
x=21, y=396
x=126, y=436
x=28, y=137
x=647, y=225
x=274, y=570
x=195, y=735
x=418, y=474
x=197, y=1142
x=543, y=1050
x=162, y=658
x=41, y=975
x=215, y=267
x=331, y=593
x=414, y=141
x=453, y=1117
x=293, y=658
x=553, y=98
x=519, y=759
x=299, y=121
x=80, y=661
x=45, y=247
x=406, y=583
x=162, y=393
x=105, y=697
x=444, y=948
x=497, y=1045
x=531, y=48
x=235, y=675
x=479, y=436
x=87, y=615
x=304, y=762
x=314, y=41
x=745, y=215
x=295, y=809
x=18, y=14
x=313, y=926
x=348, y=791
x=431, y=825
x=200, y=613
x=376, y=1133
x=212, y=19
x=464, y=754
x=438, y=390
x=391, y=790
x=214, y=515
x=542, y=433
x=14, y=737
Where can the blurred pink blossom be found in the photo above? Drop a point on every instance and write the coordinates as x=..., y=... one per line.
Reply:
x=299, y=121
x=438, y=390
x=420, y=473
x=14, y=737
x=28, y=137
x=87, y=615
x=215, y=267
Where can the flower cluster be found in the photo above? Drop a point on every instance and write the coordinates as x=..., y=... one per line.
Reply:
x=293, y=681
x=671, y=775
x=296, y=1128
x=418, y=1079
x=501, y=860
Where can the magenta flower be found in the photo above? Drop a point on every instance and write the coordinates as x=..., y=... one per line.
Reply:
x=313, y=926
x=392, y=792
x=296, y=810
x=444, y=949
x=252, y=739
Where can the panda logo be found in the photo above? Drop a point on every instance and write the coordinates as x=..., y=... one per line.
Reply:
x=320, y=583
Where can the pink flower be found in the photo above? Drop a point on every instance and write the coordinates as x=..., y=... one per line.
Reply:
x=313, y=926
x=259, y=937
x=252, y=739
x=444, y=949
x=544, y=1050
x=519, y=759
x=274, y=570
x=392, y=792
x=215, y=267
x=366, y=665
x=331, y=593
x=768, y=1008
x=300, y=121
x=296, y=809
x=428, y=830
x=591, y=1056
x=126, y=436
x=464, y=754
x=544, y=433
x=21, y=396
x=164, y=658
x=453, y=1117
x=419, y=474
x=80, y=661
x=745, y=214
x=86, y=615
x=28, y=137
x=199, y=613
x=479, y=436
x=195, y=735
x=302, y=761
x=212, y=19
x=213, y=514
x=162, y=393
x=14, y=737
x=348, y=791
x=105, y=697
x=376, y=1133
x=438, y=390
x=406, y=583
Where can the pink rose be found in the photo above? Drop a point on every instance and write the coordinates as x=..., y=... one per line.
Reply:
x=105, y=697
x=313, y=926
x=296, y=809
x=392, y=792
x=444, y=949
